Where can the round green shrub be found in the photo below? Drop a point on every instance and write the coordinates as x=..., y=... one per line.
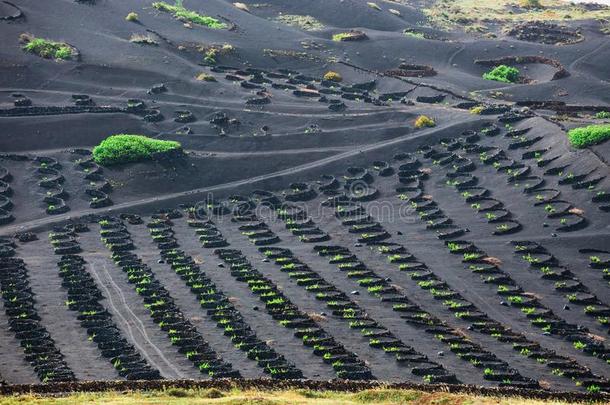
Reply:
x=122, y=148
x=132, y=17
x=503, y=73
x=591, y=135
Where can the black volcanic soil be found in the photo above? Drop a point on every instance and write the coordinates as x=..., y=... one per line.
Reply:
x=269, y=122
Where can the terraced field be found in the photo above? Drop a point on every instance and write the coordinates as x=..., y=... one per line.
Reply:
x=312, y=229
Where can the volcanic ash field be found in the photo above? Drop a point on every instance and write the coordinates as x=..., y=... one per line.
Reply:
x=364, y=191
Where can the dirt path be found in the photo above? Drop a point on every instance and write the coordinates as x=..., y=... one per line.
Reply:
x=134, y=326
x=130, y=315
x=174, y=197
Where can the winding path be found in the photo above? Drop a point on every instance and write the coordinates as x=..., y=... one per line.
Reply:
x=40, y=223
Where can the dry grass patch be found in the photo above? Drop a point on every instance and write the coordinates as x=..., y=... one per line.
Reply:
x=452, y=13
x=204, y=77
x=492, y=260
x=181, y=396
x=317, y=317
x=143, y=39
x=242, y=7
x=304, y=22
x=374, y=6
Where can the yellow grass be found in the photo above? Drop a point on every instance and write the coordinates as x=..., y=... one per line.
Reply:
x=175, y=396
x=450, y=12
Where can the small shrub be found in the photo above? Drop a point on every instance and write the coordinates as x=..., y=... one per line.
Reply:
x=590, y=135
x=593, y=388
x=183, y=14
x=304, y=22
x=226, y=49
x=341, y=36
x=122, y=148
x=64, y=52
x=424, y=121
x=210, y=54
x=602, y=115
x=143, y=39
x=349, y=36
x=211, y=393
x=578, y=345
x=132, y=17
x=178, y=393
x=46, y=48
x=503, y=73
x=333, y=76
x=204, y=77
x=414, y=34
x=242, y=7
x=477, y=110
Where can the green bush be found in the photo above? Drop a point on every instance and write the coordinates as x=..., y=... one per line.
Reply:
x=132, y=17
x=211, y=53
x=341, y=36
x=184, y=14
x=414, y=34
x=122, y=148
x=46, y=48
x=502, y=73
x=349, y=36
x=602, y=115
x=591, y=135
